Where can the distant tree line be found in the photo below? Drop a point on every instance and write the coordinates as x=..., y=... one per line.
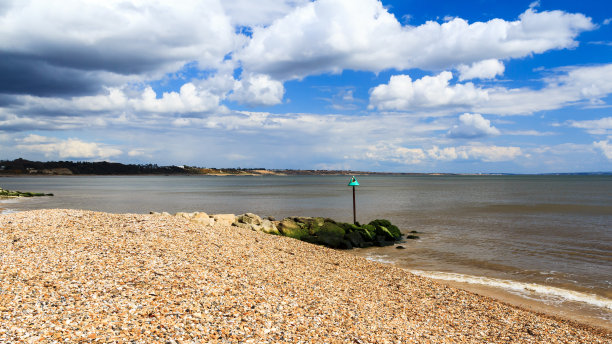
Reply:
x=22, y=166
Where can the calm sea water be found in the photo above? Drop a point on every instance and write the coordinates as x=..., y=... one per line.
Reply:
x=543, y=237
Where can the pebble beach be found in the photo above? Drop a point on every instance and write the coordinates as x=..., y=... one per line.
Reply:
x=71, y=276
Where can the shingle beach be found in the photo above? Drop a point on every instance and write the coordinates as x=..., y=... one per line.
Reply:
x=75, y=276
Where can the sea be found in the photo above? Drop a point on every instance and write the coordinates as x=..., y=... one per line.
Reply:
x=543, y=238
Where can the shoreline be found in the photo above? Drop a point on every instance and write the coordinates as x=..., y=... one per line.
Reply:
x=153, y=277
x=585, y=317
x=535, y=306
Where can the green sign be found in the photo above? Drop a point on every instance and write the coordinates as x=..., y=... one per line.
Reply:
x=353, y=182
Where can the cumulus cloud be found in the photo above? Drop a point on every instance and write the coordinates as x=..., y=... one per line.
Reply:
x=258, y=89
x=259, y=13
x=472, y=126
x=568, y=86
x=70, y=148
x=486, y=69
x=189, y=99
x=333, y=35
x=85, y=44
x=401, y=93
x=605, y=147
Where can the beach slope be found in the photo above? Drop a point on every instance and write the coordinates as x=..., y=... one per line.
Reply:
x=79, y=276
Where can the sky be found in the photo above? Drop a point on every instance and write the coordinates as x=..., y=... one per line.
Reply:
x=475, y=86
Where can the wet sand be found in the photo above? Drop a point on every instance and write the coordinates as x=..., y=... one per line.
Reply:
x=80, y=276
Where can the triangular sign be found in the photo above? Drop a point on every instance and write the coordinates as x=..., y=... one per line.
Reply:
x=353, y=181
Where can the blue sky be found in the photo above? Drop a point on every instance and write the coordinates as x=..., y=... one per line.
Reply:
x=405, y=86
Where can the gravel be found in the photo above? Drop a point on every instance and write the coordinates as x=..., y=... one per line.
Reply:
x=69, y=276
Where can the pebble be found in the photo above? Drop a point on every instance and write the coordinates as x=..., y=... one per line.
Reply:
x=80, y=276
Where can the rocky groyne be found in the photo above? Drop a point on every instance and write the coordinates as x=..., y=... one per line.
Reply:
x=315, y=230
x=9, y=193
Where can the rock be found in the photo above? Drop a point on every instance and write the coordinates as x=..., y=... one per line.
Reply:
x=291, y=229
x=271, y=218
x=165, y=213
x=202, y=218
x=154, y=213
x=268, y=227
x=384, y=227
x=410, y=236
x=249, y=218
x=187, y=216
x=244, y=225
x=329, y=240
x=224, y=219
x=399, y=247
x=355, y=239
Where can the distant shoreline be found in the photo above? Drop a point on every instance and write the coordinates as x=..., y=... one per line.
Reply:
x=22, y=167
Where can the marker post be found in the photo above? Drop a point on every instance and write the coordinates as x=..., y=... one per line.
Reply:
x=353, y=182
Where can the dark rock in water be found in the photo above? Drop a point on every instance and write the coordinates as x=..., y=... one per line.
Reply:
x=410, y=236
x=400, y=247
x=413, y=232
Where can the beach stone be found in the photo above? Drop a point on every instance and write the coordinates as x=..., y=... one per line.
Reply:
x=224, y=219
x=400, y=247
x=202, y=218
x=243, y=225
x=184, y=215
x=249, y=218
x=268, y=226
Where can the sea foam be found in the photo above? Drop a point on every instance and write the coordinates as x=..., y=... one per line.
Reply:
x=530, y=290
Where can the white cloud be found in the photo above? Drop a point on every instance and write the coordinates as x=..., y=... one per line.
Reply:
x=110, y=35
x=333, y=35
x=601, y=126
x=388, y=151
x=189, y=99
x=573, y=85
x=492, y=153
x=486, y=69
x=401, y=93
x=259, y=13
x=70, y=148
x=472, y=126
x=578, y=84
x=475, y=152
x=77, y=47
x=605, y=147
x=258, y=90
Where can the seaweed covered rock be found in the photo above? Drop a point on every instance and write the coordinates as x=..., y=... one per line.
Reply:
x=325, y=231
x=292, y=229
x=387, y=230
x=8, y=193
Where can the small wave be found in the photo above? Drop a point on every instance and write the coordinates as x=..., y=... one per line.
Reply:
x=381, y=258
x=523, y=289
